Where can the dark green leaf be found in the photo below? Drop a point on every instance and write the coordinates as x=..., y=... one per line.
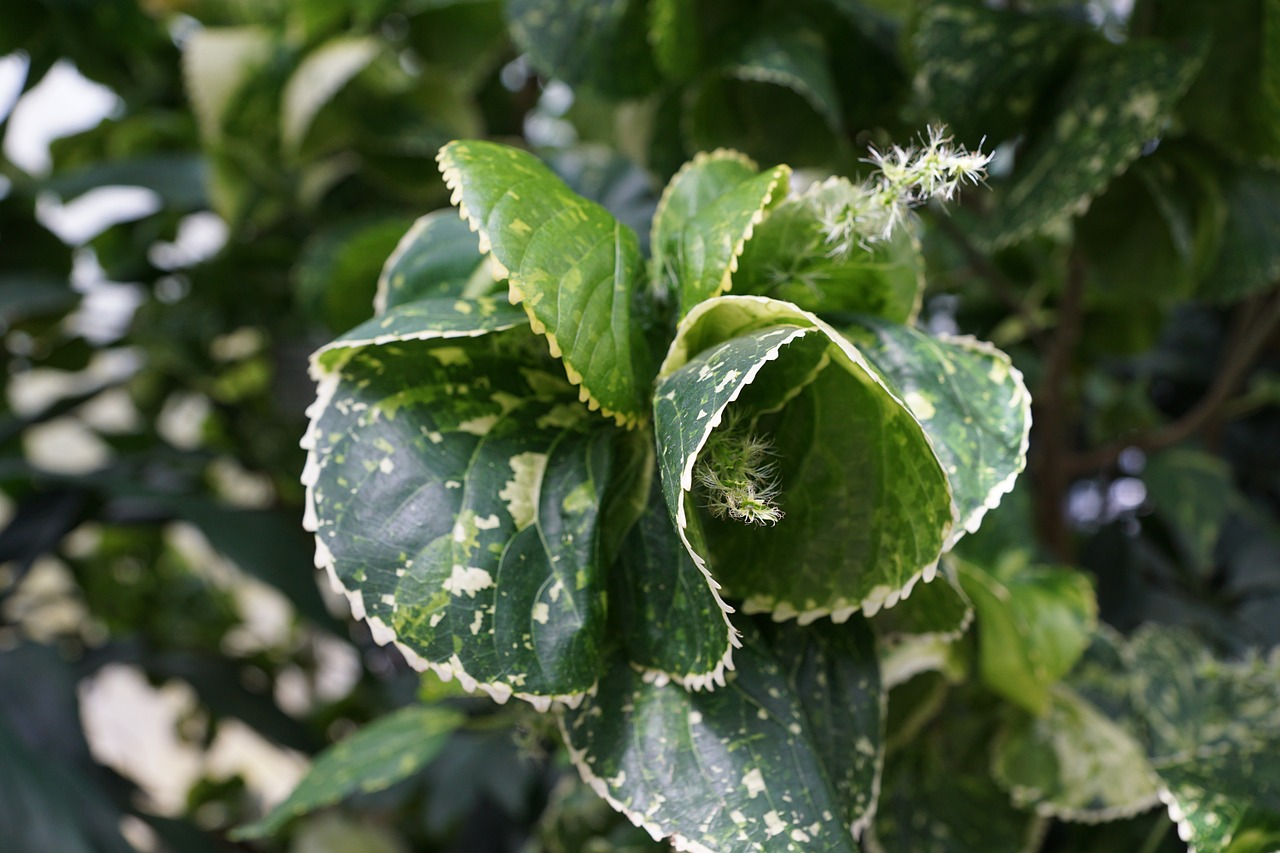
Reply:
x=785, y=757
x=1248, y=260
x=600, y=44
x=438, y=256
x=387, y=750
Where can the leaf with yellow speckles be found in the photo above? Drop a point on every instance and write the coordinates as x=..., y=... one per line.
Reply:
x=454, y=487
x=373, y=759
x=865, y=503
x=576, y=269
x=1120, y=99
x=786, y=757
x=704, y=220
x=438, y=256
x=971, y=401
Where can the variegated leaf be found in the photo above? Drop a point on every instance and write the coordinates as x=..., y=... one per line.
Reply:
x=785, y=757
x=438, y=256
x=971, y=401
x=672, y=621
x=575, y=268
x=705, y=218
x=789, y=257
x=454, y=486
x=1073, y=763
x=866, y=503
x=938, y=608
x=1118, y=100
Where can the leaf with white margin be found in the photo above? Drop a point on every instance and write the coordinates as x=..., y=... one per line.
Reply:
x=1032, y=628
x=382, y=753
x=785, y=757
x=454, y=487
x=438, y=256
x=971, y=401
x=1211, y=823
x=938, y=609
x=705, y=218
x=866, y=501
x=575, y=268
x=1073, y=763
x=1121, y=97
x=789, y=258
x=672, y=623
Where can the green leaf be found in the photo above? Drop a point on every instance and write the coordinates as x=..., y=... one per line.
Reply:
x=1248, y=259
x=576, y=269
x=938, y=609
x=1121, y=97
x=794, y=58
x=426, y=319
x=1073, y=763
x=438, y=256
x=971, y=401
x=384, y=752
x=982, y=70
x=1210, y=822
x=704, y=220
x=789, y=258
x=317, y=79
x=866, y=503
x=938, y=793
x=1194, y=493
x=336, y=270
x=673, y=32
x=1032, y=628
x=671, y=620
x=786, y=756
x=600, y=44
x=454, y=486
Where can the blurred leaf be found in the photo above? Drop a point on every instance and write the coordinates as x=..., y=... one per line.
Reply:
x=1248, y=260
x=600, y=44
x=387, y=750
x=1193, y=492
x=179, y=179
x=320, y=76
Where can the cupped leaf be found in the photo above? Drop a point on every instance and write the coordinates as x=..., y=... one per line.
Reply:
x=1119, y=99
x=1073, y=763
x=673, y=623
x=1032, y=628
x=600, y=44
x=971, y=401
x=438, y=256
x=785, y=757
x=865, y=503
x=704, y=220
x=373, y=759
x=576, y=269
x=454, y=487
x=790, y=258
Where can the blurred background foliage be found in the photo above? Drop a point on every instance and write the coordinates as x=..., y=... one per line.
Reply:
x=168, y=660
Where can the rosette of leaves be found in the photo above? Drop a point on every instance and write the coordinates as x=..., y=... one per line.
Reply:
x=558, y=467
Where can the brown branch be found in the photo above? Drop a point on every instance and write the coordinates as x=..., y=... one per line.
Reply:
x=1259, y=328
x=1052, y=423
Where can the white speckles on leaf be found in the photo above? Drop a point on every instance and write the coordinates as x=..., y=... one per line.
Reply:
x=468, y=581
x=753, y=781
x=541, y=613
x=521, y=491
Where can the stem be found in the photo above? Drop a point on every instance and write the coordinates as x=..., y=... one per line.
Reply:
x=1259, y=330
x=1004, y=289
x=1051, y=474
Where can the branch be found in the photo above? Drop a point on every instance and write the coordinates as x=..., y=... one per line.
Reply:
x=1259, y=329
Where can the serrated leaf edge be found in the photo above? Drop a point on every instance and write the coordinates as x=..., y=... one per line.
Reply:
x=784, y=611
x=1022, y=398
x=453, y=180
x=383, y=292
x=327, y=379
